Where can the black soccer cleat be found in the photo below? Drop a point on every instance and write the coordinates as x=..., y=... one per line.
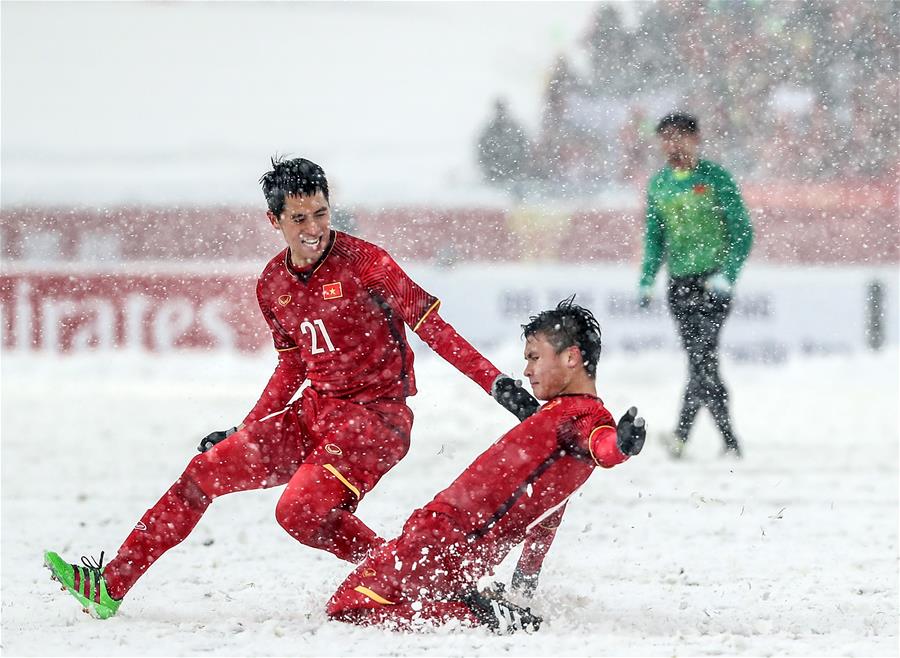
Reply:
x=524, y=583
x=502, y=617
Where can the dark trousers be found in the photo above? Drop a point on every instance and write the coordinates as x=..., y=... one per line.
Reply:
x=700, y=315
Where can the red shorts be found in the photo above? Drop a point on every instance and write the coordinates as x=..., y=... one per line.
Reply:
x=356, y=443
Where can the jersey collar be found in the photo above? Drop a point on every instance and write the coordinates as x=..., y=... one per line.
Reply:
x=306, y=274
x=577, y=395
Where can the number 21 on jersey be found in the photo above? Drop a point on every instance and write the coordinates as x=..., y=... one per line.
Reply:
x=315, y=328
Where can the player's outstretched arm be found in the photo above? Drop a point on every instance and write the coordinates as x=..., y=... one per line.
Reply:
x=289, y=374
x=419, y=310
x=457, y=351
x=613, y=445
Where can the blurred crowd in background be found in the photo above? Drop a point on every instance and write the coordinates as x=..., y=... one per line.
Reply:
x=798, y=99
x=798, y=91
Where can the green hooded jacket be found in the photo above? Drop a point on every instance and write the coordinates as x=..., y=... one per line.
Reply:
x=696, y=222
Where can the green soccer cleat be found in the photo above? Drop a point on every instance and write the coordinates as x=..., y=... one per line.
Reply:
x=85, y=583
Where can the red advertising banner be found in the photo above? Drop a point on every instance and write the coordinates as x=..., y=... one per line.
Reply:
x=59, y=312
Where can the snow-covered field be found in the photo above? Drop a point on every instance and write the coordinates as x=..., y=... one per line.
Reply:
x=791, y=552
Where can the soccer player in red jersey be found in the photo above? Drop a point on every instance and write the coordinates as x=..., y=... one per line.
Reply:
x=336, y=306
x=429, y=573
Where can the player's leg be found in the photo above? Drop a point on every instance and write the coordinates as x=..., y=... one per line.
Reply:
x=422, y=579
x=357, y=445
x=362, y=598
x=435, y=563
x=263, y=454
x=410, y=616
x=314, y=510
x=684, y=296
x=694, y=395
x=413, y=579
x=487, y=609
x=714, y=314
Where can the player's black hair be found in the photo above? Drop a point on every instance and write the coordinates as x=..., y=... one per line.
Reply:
x=566, y=326
x=680, y=121
x=298, y=177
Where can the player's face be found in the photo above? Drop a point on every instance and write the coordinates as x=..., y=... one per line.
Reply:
x=679, y=147
x=305, y=223
x=550, y=374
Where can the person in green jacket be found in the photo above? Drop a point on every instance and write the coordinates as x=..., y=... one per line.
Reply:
x=697, y=223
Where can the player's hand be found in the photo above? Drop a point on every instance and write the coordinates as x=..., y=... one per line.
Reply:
x=645, y=296
x=719, y=285
x=524, y=583
x=213, y=438
x=512, y=397
x=631, y=432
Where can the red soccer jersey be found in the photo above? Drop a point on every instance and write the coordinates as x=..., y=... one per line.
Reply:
x=529, y=472
x=341, y=324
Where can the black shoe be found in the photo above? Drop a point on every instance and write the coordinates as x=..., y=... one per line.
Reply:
x=732, y=450
x=674, y=445
x=498, y=614
x=523, y=583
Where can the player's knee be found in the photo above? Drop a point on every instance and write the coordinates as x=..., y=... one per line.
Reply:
x=198, y=481
x=192, y=492
x=308, y=504
x=295, y=516
x=304, y=513
x=336, y=606
x=697, y=358
x=349, y=605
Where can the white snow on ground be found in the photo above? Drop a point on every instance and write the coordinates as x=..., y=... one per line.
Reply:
x=791, y=552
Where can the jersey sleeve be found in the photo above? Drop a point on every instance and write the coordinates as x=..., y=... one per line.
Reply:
x=419, y=311
x=603, y=446
x=289, y=372
x=654, y=244
x=456, y=350
x=737, y=224
x=284, y=382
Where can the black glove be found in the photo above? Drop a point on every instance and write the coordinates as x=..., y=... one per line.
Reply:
x=524, y=583
x=512, y=397
x=213, y=438
x=630, y=433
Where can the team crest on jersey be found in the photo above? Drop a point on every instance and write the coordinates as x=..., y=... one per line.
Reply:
x=333, y=449
x=332, y=291
x=284, y=300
